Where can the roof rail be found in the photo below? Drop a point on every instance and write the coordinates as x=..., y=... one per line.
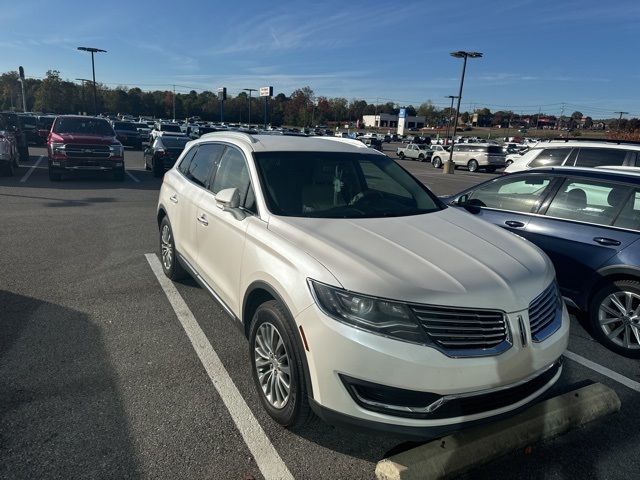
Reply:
x=230, y=133
x=349, y=141
x=604, y=140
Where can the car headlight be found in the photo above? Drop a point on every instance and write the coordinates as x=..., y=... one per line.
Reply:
x=375, y=315
x=116, y=150
x=58, y=148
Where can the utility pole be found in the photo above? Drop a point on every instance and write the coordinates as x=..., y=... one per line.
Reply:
x=250, y=90
x=21, y=80
x=620, y=118
x=84, y=104
x=222, y=96
x=561, y=115
x=93, y=50
x=174, y=103
x=538, y=117
x=449, y=116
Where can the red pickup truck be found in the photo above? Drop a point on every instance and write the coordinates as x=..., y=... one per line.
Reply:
x=78, y=143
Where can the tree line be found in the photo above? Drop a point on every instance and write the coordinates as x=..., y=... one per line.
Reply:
x=302, y=107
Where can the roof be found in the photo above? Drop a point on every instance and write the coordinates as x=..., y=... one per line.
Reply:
x=599, y=172
x=282, y=143
x=589, y=143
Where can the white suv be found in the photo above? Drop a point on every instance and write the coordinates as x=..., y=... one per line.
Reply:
x=579, y=153
x=364, y=298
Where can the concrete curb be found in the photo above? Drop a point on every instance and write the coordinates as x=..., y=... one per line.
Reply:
x=457, y=453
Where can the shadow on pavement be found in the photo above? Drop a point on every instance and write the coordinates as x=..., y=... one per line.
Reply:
x=61, y=415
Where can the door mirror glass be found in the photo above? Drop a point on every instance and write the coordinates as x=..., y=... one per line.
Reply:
x=462, y=200
x=228, y=198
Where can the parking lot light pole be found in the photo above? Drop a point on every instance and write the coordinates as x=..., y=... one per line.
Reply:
x=93, y=50
x=620, y=118
x=452, y=97
x=250, y=90
x=84, y=103
x=449, y=167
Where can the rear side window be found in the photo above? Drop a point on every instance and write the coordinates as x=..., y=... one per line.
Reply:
x=588, y=201
x=520, y=194
x=184, y=164
x=203, y=163
x=596, y=157
x=549, y=157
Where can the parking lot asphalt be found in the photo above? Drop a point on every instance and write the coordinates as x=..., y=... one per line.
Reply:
x=98, y=378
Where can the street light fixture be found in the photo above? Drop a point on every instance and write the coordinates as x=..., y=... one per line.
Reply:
x=250, y=90
x=84, y=104
x=449, y=116
x=449, y=167
x=93, y=50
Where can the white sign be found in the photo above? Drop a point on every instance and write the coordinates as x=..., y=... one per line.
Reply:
x=266, y=91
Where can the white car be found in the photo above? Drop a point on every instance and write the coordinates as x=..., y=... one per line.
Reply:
x=364, y=298
x=579, y=153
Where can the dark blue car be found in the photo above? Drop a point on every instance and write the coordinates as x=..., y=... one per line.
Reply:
x=588, y=222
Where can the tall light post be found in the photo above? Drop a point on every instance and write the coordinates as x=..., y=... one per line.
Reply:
x=84, y=104
x=449, y=167
x=250, y=90
x=452, y=97
x=93, y=50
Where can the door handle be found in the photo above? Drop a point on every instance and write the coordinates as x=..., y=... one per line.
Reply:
x=607, y=241
x=514, y=224
x=174, y=198
x=203, y=219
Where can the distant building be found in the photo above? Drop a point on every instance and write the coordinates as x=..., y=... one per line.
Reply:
x=386, y=120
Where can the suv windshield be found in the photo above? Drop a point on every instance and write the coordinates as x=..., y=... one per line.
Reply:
x=340, y=185
x=124, y=126
x=94, y=126
x=168, y=127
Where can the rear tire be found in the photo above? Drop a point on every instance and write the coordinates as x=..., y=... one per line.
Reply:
x=168, y=258
x=401, y=155
x=472, y=166
x=437, y=162
x=421, y=158
x=614, y=333
x=157, y=169
x=284, y=366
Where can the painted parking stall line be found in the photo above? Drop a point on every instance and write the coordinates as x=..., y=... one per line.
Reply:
x=132, y=177
x=596, y=367
x=268, y=460
x=30, y=171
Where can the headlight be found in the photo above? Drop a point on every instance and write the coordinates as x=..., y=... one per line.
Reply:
x=116, y=150
x=58, y=148
x=375, y=315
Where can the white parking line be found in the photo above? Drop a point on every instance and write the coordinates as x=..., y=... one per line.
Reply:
x=30, y=171
x=265, y=454
x=627, y=382
x=132, y=177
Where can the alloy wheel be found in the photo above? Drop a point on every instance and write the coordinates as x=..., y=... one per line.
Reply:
x=272, y=365
x=166, y=247
x=619, y=319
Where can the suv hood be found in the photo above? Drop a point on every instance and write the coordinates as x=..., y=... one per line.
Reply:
x=442, y=258
x=83, y=138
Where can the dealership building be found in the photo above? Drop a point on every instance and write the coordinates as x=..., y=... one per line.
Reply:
x=391, y=121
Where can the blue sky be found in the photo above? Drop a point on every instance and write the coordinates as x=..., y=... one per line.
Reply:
x=537, y=53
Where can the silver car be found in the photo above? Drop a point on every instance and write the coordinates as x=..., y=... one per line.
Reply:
x=475, y=156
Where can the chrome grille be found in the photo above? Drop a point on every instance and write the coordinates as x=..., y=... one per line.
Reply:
x=545, y=314
x=86, y=151
x=461, y=332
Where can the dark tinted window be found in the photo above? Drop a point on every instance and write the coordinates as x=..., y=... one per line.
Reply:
x=92, y=126
x=203, y=163
x=495, y=149
x=186, y=161
x=550, y=157
x=232, y=173
x=174, y=142
x=28, y=121
x=340, y=185
x=124, y=126
x=588, y=201
x=169, y=127
x=45, y=122
x=629, y=217
x=518, y=194
x=595, y=157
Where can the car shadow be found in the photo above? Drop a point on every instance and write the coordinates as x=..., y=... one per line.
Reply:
x=61, y=413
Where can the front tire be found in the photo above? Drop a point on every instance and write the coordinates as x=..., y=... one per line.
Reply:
x=277, y=367
x=421, y=158
x=168, y=258
x=472, y=166
x=401, y=155
x=614, y=315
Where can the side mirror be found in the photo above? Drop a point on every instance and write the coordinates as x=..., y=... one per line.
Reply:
x=462, y=200
x=229, y=198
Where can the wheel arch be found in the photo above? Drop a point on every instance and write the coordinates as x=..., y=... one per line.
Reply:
x=162, y=212
x=605, y=276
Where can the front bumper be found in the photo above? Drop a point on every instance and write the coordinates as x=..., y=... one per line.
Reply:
x=338, y=352
x=87, y=164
